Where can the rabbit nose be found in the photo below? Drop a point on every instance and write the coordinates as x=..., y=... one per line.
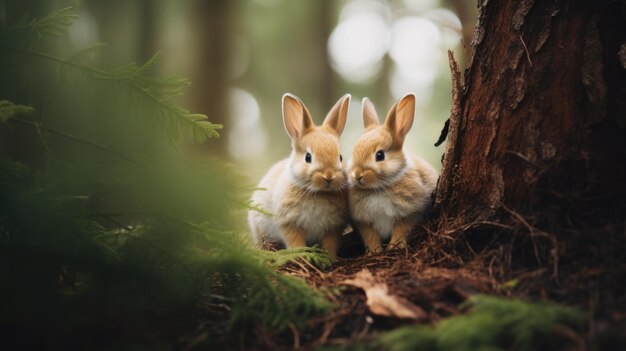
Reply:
x=357, y=175
x=329, y=178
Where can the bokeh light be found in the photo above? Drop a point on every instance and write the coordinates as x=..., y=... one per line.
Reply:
x=416, y=52
x=246, y=138
x=449, y=26
x=360, y=41
x=421, y=5
x=402, y=47
x=84, y=31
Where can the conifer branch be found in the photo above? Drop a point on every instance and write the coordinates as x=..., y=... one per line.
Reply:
x=44, y=129
x=54, y=23
x=201, y=129
x=181, y=244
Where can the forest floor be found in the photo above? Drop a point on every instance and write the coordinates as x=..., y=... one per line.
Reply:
x=382, y=291
x=430, y=280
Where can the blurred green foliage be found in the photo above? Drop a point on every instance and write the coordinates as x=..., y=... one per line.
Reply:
x=113, y=234
x=492, y=323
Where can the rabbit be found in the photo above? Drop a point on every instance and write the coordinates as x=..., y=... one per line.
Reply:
x=390, y=190
x=304, y=198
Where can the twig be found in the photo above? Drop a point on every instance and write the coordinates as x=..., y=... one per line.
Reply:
x=571, y=335
x=451, y=132
x=304, y=269
x=328, y=328
x=456, y=99
x=526, y=49
x=537, y=232
x=530, y=228
x=523, y=157
x=296, y=336
x=314, y=268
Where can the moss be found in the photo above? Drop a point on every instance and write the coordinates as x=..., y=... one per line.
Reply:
x=492, y=323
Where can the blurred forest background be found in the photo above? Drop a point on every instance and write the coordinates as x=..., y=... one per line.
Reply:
x=122, y=215
x=241, y=56
x=107, y=220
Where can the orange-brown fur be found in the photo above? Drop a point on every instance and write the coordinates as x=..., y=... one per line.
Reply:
x=308, y=201
x=388, y=198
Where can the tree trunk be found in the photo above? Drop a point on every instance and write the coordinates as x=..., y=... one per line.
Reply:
x=537, y=133
x=212, y=22
x=542, y=115
x=324, y=10
x=148, y=29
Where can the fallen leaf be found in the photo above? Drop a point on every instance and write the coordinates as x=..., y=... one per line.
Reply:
x=381, y=302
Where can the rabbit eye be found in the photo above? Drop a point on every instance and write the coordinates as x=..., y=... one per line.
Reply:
x=380, y=155
x=340, y=158
x=307, y=157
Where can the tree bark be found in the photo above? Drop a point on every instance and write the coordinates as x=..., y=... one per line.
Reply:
x=324, y=10
x=212, y=21
x=539, y=134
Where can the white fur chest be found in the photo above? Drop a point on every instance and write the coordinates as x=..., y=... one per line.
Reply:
x=316, y=216
x=380, y=211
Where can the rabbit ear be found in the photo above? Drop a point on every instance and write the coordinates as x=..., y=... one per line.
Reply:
x=370, y=117
x=400, y=118
x=296, y=117
x=338, y=114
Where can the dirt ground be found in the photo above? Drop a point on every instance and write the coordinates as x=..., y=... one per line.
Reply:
x=438, y=272
x=441, y=269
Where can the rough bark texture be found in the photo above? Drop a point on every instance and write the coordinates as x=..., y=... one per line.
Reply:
x=540, y=129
